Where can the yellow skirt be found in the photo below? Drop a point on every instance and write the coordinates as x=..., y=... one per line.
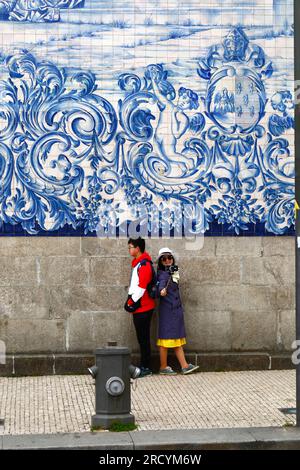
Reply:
x=171, y=343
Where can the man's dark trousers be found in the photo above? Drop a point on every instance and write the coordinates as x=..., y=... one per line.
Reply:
x=142, y=323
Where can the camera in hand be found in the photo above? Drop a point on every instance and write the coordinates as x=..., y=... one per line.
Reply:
x=173, y=269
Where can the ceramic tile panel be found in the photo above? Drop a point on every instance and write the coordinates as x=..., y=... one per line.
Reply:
x=155, y=112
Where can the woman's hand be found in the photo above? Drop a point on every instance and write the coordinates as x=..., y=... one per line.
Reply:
x=163, y=292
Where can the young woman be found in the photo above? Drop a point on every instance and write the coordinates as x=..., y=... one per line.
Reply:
x=171, y=333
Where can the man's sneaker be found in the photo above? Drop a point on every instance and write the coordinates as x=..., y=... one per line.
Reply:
x=188, y=370
x=167, y=371
x=145, y=372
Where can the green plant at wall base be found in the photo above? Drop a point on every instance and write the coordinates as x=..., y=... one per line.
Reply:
x=121, y=427
x=288, y=424
x=116, y=427
x=97, y=428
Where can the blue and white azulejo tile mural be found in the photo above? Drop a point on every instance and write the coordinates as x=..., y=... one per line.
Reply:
x=111, y=111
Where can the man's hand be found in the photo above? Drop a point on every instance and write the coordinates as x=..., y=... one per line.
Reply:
x=131, y=306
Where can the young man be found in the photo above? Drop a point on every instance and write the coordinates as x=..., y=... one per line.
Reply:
x=139, y=302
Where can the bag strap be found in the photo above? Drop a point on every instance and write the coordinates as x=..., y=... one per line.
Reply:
x=143, y=263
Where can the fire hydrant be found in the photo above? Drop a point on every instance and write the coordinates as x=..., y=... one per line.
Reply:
x=112, y=373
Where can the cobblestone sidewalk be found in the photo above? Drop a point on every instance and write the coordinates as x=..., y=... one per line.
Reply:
x=58, y=404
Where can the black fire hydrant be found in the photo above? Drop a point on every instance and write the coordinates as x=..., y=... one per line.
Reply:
x=112, y=373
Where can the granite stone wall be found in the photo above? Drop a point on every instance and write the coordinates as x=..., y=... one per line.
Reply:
x=66, y=295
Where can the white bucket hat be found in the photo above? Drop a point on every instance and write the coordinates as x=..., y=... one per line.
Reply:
x=163, y=251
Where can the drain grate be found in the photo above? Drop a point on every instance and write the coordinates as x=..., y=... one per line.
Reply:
x=288, y=411
x=1, y=422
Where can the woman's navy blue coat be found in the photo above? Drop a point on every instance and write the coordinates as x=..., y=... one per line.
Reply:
x=171, y=321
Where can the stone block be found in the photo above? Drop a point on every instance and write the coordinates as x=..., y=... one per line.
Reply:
x=73, y=364
x=268, y=271
x=24, y=302
x=17, y=271
x=284, y=297
x=282, y=362
x=69, y=271
x=221, y=362
x=39, y=246
x=64, y=300
x=183, y=247
x=7, y=369
x=254, y=330
x=222, y=270
x=110, y=247
x=208, y=330
x=235, y=297
x=278, y=246
x=80, y=332
x=239, y=246
x=124, y=274
x=33, y=336
x=108, y=271
x=287, y=319
x=87, y=331
x=36, y=365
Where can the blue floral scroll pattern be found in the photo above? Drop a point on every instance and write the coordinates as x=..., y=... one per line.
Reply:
x=54, y=130
x=67, y=157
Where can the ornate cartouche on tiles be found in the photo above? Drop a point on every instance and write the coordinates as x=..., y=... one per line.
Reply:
x=68, y=158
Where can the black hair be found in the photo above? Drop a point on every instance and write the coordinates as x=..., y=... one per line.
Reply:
x=138, y=242
x=160, y=265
